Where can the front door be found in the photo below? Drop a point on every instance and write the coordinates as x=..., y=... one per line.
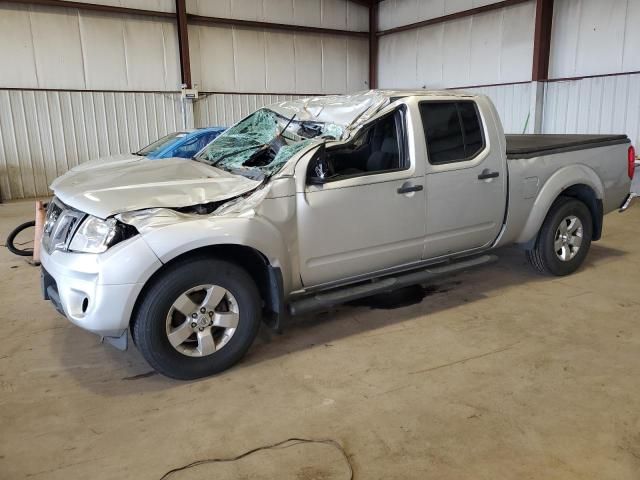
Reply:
x=370, y=214
x=466, y=180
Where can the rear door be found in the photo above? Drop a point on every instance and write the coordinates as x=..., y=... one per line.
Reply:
x=466, y=180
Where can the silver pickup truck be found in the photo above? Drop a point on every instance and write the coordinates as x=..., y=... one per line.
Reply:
x=311, y=203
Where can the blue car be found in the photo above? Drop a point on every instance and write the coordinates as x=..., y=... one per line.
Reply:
x=181, y=144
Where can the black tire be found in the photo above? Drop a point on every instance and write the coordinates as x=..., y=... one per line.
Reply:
x=149, y=323
x=23, y=252
x=543, y=256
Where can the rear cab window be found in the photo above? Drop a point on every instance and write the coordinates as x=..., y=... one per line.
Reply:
x=453, y=131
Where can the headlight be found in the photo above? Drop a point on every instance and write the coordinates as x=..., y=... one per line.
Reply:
x=96, y=235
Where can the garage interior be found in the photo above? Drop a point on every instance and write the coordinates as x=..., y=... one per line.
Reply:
x=493, y=373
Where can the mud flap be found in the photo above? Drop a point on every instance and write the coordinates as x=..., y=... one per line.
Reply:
x=121, y=342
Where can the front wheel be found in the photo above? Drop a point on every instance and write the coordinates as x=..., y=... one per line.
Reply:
x=564, y=239
x=198, y=318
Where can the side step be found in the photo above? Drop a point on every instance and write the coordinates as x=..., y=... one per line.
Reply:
x=331, y=298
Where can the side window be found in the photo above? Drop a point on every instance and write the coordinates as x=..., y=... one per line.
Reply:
x=473, y=138
x=452, y=130
x=377, y=148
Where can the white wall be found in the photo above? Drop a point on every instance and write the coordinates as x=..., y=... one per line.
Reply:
x=594, y=105
x=395, y=13
x=225, y=59
x=234, y=59
x=44, y=133
x=337, y=14
x=225, y=109
x=513, y=103
x=80, y=76
x=49, y=47
x=593, y=37
x=490, y=48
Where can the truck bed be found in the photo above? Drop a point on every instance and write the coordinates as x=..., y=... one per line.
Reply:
x=529, y=146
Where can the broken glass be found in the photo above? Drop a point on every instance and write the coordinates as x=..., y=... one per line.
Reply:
x=261, y=144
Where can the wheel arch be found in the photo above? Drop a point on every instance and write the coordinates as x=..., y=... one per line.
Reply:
x=576, y=181
x=268, y=278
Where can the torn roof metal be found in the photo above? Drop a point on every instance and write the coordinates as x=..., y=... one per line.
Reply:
x=348, y=111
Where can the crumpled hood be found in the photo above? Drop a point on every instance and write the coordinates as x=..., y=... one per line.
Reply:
x=117, y=187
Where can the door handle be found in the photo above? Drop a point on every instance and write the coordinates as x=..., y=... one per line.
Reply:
x=410, y=189
x=488, y=174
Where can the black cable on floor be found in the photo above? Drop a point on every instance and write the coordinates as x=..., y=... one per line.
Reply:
x=289, y=442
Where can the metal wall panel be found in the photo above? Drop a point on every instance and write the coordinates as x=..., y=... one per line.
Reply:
x=225, y=109
x=513, y=103
x=156, y=5
x=396, y=13
x=44, y=133
x=493, y=47
x=68, y=49
x=594, y=105
x=338, y=14
x=231, y=59
x=593, y=37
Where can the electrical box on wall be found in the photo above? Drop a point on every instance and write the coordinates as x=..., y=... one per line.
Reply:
x=190, y=93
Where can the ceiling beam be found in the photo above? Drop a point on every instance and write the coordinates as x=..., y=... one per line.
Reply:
x=452, y=16
x=542, y=40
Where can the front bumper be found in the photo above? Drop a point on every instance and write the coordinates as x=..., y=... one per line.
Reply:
x=98, y=292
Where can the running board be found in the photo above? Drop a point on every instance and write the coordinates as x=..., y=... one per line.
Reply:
x=328, y=299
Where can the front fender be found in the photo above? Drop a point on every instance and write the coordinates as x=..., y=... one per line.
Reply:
x=175, y=239
x=561, y=180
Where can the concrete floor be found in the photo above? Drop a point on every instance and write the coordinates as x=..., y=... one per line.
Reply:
x=499, y=374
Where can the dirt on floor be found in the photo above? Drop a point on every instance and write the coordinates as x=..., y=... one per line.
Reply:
x=496, y=373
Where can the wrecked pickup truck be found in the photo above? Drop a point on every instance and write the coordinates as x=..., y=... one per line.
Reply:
x=311, y=203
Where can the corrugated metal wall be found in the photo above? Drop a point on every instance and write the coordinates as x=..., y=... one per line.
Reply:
x=120, y=58
x=69, y=49
x=513, y=103
x=338, y=14
x=594, y=105
x=592, y=37
x=490, y=48
x=226, y=109
x=395, y=13
x=225, y=59
x=595, y=37
x=231, y=59
x=44, y=133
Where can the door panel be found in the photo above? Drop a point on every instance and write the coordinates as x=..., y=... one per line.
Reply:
x=466, y=185
x=350, y=230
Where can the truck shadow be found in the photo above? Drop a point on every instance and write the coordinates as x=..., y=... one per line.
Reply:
x=126, y=373
x=411, y=303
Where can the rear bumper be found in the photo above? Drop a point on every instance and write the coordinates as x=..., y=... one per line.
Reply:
x=98, y=292
x=628, y=202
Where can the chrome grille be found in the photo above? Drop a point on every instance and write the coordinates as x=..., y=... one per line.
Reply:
x=60, y=224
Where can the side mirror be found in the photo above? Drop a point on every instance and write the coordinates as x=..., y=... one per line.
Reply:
x=319, y=171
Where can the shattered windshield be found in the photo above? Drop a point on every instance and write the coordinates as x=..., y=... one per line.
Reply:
x=262, y=143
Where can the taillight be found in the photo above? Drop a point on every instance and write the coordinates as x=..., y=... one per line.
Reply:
x=632, y=162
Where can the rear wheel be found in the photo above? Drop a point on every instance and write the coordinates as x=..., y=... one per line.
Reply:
x=198, y=318
x=564, y=239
